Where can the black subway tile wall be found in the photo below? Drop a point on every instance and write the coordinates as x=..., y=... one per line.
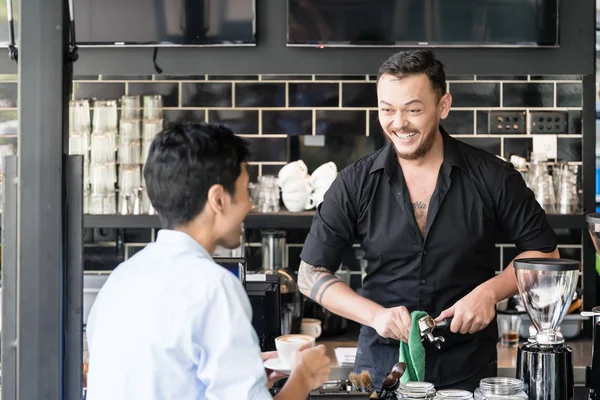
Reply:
x=321, y=118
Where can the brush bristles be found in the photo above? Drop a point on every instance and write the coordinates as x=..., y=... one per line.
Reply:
x=355, y=380
x=365, y=381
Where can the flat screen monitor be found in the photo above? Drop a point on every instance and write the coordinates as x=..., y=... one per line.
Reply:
x=156, y=23
x=415, y=23
x=235, y=265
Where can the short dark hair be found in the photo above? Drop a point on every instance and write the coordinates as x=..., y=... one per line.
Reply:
x=184, y=161
x=416, y=61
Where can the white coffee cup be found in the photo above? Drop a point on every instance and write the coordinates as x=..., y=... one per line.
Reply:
x=318, y=196
x=326, y=172
x=293, y=185
x=293, y=170
x=298, y=201
x=288, y=345
x=322, y=184
x=311, y=327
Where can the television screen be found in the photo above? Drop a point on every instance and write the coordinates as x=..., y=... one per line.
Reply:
x=237, y=266
x=157, y=22
x=411, y=23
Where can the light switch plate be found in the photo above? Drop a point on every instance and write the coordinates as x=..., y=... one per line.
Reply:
x=546, y=144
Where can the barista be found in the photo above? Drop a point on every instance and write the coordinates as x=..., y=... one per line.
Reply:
x=427, y=210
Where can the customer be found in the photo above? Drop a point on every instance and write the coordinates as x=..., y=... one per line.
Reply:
x=427, y=210
x=170, y=323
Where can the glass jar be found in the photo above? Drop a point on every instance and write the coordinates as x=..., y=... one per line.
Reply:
x=415, y=390
x=454, y=394
x=500, y=389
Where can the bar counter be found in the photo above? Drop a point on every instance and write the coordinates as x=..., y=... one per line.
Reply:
x=507, y=359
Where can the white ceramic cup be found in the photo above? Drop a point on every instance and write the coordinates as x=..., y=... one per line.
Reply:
x=326, y=172
x=298, y=201
x=293, y=170
x=301, y=185
x=318, y=196
x=322, y=184
x=288, y=345
x=311, y=327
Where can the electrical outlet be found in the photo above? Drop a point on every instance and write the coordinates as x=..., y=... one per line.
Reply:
x=506, y=122
x=553, y=122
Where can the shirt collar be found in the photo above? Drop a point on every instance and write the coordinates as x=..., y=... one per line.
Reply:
x=453, y=156
x=170, y=236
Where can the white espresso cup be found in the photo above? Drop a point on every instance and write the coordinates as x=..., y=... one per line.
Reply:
x=311, y=327
x=298, y=201
x=293, y=185
x=290, y=171
x=288, y=345
x=324, y=173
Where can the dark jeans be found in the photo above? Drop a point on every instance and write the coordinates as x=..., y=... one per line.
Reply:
x=472, y=383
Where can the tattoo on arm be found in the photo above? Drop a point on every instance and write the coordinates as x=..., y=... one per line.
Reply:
x=315, y=281
x=326, y=288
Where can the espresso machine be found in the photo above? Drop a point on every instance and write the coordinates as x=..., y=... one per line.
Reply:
x=545, y=363
x=274, y=257
x=592, y=372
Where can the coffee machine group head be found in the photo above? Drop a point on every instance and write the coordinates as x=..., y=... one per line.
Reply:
x=545, y=363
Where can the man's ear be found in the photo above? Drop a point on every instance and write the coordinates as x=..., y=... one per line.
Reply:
x=215, y=199
x=445, y=104
x=218, y=198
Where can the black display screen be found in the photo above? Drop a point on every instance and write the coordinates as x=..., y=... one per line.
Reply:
x=157, y=22
x=423, y=22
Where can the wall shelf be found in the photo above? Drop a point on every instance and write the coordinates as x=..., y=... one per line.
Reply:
x=278, y=220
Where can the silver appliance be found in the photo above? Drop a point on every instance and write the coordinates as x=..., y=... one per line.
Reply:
x=274, y=256
x=545, y=363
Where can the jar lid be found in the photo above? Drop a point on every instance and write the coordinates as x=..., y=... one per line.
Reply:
x=418, y=390
x=546, y=264
x=500, y=386
x=454, y=394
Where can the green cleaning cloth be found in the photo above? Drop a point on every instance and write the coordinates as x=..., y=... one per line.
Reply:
x=413, y=352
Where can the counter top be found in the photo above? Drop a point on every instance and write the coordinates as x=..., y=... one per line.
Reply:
x=507, y=359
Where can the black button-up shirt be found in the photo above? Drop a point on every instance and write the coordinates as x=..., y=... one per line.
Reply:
x=477, y=198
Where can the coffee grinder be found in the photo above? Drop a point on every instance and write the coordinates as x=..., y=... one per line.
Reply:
x=592, y=372
x=545, y=363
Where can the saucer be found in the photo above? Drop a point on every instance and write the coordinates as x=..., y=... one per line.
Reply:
x=275, y=364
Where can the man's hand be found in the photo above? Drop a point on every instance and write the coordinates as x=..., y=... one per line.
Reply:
x=272, y=376
x=472, y=313
x=393, y=323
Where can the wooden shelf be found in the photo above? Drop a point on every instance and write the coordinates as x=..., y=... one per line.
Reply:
x=276, y=220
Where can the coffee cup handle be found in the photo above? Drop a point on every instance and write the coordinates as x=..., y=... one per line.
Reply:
x=318, y=330
x=310, y=203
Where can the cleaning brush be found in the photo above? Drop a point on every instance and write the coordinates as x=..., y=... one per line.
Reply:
x=355, y=381
x=366, y=382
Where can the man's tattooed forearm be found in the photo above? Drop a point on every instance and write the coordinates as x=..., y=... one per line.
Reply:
x=315, y=281
x=315, y=289
x=309, y=275
x=326, y=288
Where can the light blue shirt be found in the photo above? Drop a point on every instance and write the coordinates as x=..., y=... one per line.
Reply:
x=170, y=323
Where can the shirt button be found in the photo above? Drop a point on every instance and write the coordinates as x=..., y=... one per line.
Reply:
x=422, y=281
x=424, y=252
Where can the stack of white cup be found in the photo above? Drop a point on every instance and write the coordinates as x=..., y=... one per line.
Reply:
x=321, y=179
x=296, y=189
x=301, y=191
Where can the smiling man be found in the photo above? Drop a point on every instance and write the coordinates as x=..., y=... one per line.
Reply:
x=427, y=210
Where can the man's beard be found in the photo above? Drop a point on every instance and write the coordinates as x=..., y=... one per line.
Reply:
x=419, y=152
